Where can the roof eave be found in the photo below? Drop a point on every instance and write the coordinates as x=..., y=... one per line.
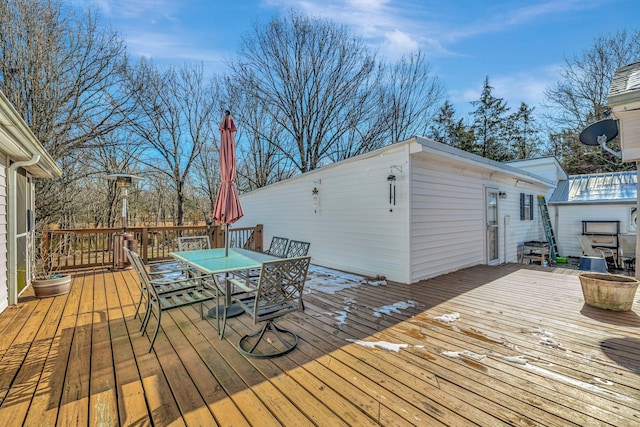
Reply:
x=17, y=140
x=431, y=146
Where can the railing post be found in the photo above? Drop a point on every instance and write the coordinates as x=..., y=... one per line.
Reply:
x=144, y=244
x=211, y=232
x=257, y=237
x=219, y=236
x=44, y=250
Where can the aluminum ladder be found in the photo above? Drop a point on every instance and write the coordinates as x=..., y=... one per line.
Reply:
x=548, y=230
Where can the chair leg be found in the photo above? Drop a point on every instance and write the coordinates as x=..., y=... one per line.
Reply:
x=218, y=317
x=280, y=333
x=224, y=320
x=138, y=306
x=155, y=333
x=147, y=316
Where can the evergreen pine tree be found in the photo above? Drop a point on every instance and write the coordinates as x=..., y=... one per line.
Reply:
x=489, y=125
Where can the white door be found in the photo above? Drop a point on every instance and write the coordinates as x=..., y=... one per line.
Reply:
x=24, y=223
x=491, y=214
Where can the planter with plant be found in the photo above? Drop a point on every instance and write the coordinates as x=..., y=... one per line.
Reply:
x=48, y=281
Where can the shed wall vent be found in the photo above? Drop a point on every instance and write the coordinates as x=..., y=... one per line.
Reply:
x=633, y=82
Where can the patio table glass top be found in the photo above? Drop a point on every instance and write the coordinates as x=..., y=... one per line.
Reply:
x=214, y=261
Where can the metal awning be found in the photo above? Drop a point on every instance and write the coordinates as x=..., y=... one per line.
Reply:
x=612, y=187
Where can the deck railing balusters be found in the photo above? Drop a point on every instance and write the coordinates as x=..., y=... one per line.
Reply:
x=80, y=248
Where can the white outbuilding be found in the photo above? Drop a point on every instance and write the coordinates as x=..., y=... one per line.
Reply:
x=409, y=211
x=602, y=206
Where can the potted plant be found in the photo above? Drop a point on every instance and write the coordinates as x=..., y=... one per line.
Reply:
x=48, y=281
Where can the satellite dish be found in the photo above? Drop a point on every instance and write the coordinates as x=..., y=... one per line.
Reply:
x=599, y=132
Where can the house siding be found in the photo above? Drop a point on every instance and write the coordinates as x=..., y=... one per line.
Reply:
x=4, y=290
x=568, y=222
x=437, y=224
x=352, y=226
x=448, y=216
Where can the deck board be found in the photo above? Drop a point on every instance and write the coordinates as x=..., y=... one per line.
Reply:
x=79, y=359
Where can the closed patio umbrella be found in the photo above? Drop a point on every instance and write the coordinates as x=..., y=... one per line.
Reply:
x=227, y=209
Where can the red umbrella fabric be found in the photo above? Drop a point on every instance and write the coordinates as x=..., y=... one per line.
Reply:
x=227, y=209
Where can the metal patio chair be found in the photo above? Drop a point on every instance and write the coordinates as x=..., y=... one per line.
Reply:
x=297, y=248
x=167, y=294
x=628, y=251
x=163, y=275
x=278, y=247
x=174, y=269
x=279, y=292
x=596, y=251
x=193, y=243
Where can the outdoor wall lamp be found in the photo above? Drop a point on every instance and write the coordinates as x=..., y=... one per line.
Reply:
x=502, y=195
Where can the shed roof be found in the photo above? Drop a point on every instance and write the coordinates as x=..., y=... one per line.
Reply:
x=611, y=187
x=626, y=79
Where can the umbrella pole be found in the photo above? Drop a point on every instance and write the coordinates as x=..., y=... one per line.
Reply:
x=226, y=240
x=232, y=310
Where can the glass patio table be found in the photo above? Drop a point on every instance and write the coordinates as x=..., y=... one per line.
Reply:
x=215, y=262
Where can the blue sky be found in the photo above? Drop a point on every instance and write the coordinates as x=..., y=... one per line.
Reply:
x=520, y=45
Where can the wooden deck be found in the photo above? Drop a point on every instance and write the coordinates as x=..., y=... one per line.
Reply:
x=525, y=350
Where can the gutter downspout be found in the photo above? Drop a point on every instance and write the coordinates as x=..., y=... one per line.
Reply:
x=13, y=227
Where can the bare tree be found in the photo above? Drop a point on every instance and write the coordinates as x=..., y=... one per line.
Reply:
x=207, y=177
x=411, y=97
x=580, y=98
x=309, y=75
x=260, y=161
x=176, y=118
x=108, y=157
x=62, y=73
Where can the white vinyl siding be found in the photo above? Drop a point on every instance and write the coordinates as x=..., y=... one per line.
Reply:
x=437, y=225
x=351, y=227
x=4, y=291
x=568, y=224
x=447, y=218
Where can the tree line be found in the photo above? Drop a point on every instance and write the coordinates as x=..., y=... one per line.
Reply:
x=305, y=92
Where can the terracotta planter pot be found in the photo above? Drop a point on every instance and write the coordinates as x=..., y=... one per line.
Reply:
x=44, y=288
x=608, y=291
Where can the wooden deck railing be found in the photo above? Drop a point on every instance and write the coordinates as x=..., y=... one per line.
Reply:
x=80, y=248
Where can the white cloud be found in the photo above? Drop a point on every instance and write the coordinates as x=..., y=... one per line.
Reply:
x=133, y=9
x=500, y=19
x=409, y=25
x=398, y=43
x=161, y=46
